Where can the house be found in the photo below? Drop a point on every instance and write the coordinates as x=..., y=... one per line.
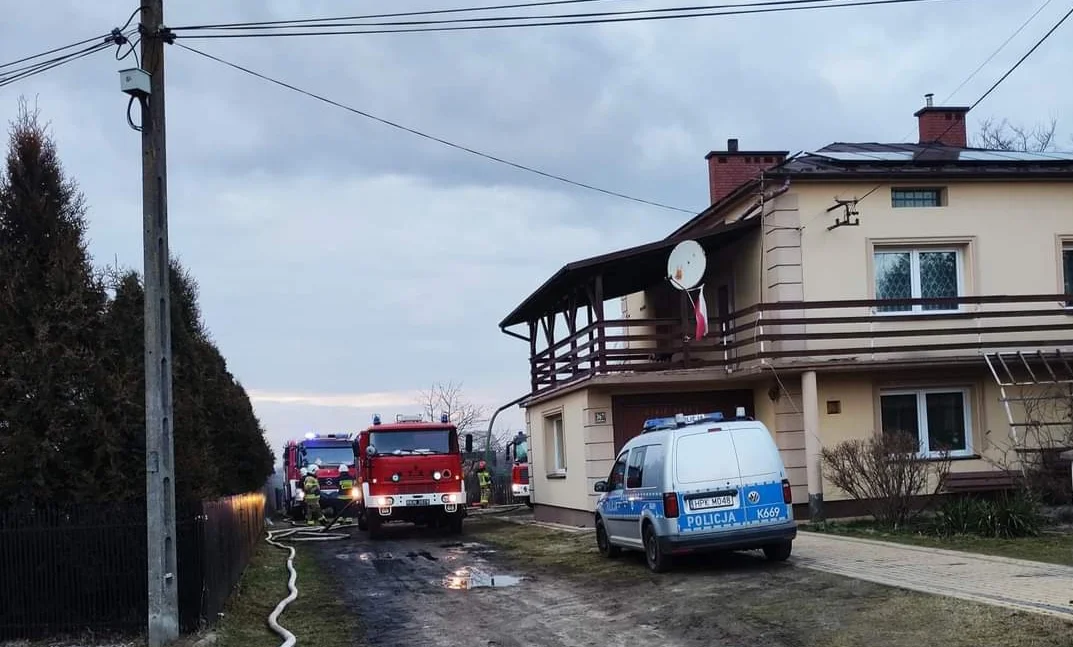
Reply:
x=852, y=289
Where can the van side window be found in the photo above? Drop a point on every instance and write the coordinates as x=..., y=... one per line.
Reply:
x=653, y=466
x=617, y=474
x=636, y=468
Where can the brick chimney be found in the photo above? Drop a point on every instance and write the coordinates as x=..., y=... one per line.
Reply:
x=729, y=169
x=942, y=125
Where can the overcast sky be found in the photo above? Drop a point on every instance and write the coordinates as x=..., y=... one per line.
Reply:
x=345, y=265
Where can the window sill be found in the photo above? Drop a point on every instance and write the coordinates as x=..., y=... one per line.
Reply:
x=907, y=313
x=960, y=457
x=556, y=475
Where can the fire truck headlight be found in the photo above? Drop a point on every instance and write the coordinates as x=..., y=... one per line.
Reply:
x=355, y=493
x=449, y=498
x=436, y=476
x=385, y=502
x=301, y=496
x=396, y=477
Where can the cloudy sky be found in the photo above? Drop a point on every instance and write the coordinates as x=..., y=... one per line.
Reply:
x=345, y=265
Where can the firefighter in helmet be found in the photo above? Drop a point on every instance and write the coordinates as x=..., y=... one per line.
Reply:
x=346, y=488
x=311, y=487
x=484, y=478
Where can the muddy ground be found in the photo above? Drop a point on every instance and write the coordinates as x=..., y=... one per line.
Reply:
x=551, y=589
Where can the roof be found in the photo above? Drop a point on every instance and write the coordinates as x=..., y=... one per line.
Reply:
x=869, y=160
x=624, y=272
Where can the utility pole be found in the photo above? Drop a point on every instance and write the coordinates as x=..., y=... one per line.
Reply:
x=159, y=453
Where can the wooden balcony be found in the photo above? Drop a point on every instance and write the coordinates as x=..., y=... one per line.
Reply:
x=812, y=334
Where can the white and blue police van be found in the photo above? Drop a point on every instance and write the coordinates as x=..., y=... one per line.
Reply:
x=692, y=483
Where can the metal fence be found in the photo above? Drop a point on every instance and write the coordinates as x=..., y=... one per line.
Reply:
x=72, y=569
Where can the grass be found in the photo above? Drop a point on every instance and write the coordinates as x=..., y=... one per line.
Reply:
x=1052, y=548
x=764, y=603
x=317, y=616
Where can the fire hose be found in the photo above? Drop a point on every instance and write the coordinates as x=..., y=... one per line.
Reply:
x=298, y=533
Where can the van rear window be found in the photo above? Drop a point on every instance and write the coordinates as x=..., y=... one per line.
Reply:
x=705, y=456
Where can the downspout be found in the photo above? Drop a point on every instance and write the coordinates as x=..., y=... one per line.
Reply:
x=492, y=422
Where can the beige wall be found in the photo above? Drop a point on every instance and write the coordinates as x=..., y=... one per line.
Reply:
x=589, y=450
x=858, y=395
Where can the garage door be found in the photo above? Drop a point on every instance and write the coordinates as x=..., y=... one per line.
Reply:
x=629, y=412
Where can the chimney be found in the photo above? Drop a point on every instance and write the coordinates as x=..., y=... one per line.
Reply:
x=729, y=169
x=943, y=125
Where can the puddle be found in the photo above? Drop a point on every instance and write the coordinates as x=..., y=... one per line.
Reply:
x=472, y=578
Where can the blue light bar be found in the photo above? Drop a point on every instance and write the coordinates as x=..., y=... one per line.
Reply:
x=681, y=420
x=444, y=418
x=376, y=418
x=311, y=435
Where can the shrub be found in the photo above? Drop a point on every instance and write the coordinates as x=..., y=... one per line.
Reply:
x=1007, y=517
x=887, y=474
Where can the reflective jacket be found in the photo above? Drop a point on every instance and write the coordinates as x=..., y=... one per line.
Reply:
x=311, y=487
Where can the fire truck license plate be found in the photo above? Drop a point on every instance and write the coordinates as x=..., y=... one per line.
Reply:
x=417, y=502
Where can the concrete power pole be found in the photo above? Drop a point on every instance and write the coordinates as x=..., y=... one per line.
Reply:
x=159, y=453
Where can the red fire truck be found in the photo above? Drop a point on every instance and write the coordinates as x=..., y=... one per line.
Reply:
x=410, y=470
x=518, y=459
x=328, y=452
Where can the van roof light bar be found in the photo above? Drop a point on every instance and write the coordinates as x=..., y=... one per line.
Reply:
x=680, y=420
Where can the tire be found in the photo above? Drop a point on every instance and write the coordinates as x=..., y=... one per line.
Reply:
x=363, y=523
x=529, y=501
x=603, y=544
x=658, y=561
x=779, y=552
x=454, y=524
x=375, y=524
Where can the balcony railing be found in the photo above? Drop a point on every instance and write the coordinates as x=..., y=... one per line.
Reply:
x=813, y=333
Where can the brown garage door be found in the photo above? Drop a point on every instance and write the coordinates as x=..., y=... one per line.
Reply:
x=629, y=412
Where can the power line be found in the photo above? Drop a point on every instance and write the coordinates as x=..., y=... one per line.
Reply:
x=270, y=23
x=434, y=138
x=546, y=23
x=33, y=70
x=55, y=50
x=337, y=22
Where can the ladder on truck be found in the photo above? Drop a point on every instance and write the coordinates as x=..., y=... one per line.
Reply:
x=1018, y=371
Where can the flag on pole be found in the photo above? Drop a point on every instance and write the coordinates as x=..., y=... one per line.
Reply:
x=700, y=311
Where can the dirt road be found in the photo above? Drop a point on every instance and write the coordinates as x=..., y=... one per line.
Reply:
x=418, y=587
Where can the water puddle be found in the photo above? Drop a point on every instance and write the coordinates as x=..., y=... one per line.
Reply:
x=472, y=578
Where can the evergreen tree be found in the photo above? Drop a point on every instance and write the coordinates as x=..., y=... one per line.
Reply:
x=51, y=307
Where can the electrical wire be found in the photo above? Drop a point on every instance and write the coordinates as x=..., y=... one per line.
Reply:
x=546, y=23
x=55, y=50
x=270, y=23
x=335, y=22
x=33, y=70
x=434, y=138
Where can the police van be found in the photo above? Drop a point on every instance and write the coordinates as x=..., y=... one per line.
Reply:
x=696, y=483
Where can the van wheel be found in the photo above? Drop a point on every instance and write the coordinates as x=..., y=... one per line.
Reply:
x=603, y=543
x=658, y=561
x=779, y=552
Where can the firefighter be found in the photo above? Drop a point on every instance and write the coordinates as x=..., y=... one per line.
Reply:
x=484, y=478
x=346, y=488
x=311, y=487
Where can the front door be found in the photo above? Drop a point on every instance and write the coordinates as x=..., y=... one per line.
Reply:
x=616, y=504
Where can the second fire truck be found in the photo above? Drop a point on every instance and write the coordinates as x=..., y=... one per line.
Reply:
x=411, y=471
x=328, y=452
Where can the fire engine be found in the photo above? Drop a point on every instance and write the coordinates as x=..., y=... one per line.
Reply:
x=518, y=458
x=328, y=452
x=410, y=471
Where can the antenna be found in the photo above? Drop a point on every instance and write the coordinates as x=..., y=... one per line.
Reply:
x=686, y=265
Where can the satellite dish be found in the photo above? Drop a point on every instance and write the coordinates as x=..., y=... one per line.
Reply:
x=686, y=264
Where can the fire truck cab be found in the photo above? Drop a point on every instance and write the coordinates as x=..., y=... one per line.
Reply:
x=411, y=471
x=518, y=459
x=328, y=452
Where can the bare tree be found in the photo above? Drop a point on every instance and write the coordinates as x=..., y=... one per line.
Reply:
x=887, y=474
x=448, y=398
x=1004, y=136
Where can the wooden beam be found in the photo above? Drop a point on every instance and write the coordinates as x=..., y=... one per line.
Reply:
x=598, y=310
x=532, y=356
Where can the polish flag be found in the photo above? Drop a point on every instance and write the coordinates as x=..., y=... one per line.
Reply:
x=700, y=311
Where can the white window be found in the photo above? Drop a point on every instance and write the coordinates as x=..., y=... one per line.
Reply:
x=1067, y=271
x=928, y=273
x=556, y=439
x=939, y=418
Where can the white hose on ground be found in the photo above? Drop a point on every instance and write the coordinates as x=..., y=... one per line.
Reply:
x=298, y=533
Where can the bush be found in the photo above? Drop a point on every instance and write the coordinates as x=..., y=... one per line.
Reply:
x=1009, y=516
x=887, y=475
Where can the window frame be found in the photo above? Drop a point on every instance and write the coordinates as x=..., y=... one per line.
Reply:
x=940, y=196
x=624, y=459
x=914, y=252
x=1065, y=247
x=555, y=435
x=923, y=438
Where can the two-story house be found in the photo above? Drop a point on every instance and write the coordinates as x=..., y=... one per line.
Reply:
x=854, y=289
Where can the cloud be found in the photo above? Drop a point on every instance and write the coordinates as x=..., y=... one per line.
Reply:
x=337, y=400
